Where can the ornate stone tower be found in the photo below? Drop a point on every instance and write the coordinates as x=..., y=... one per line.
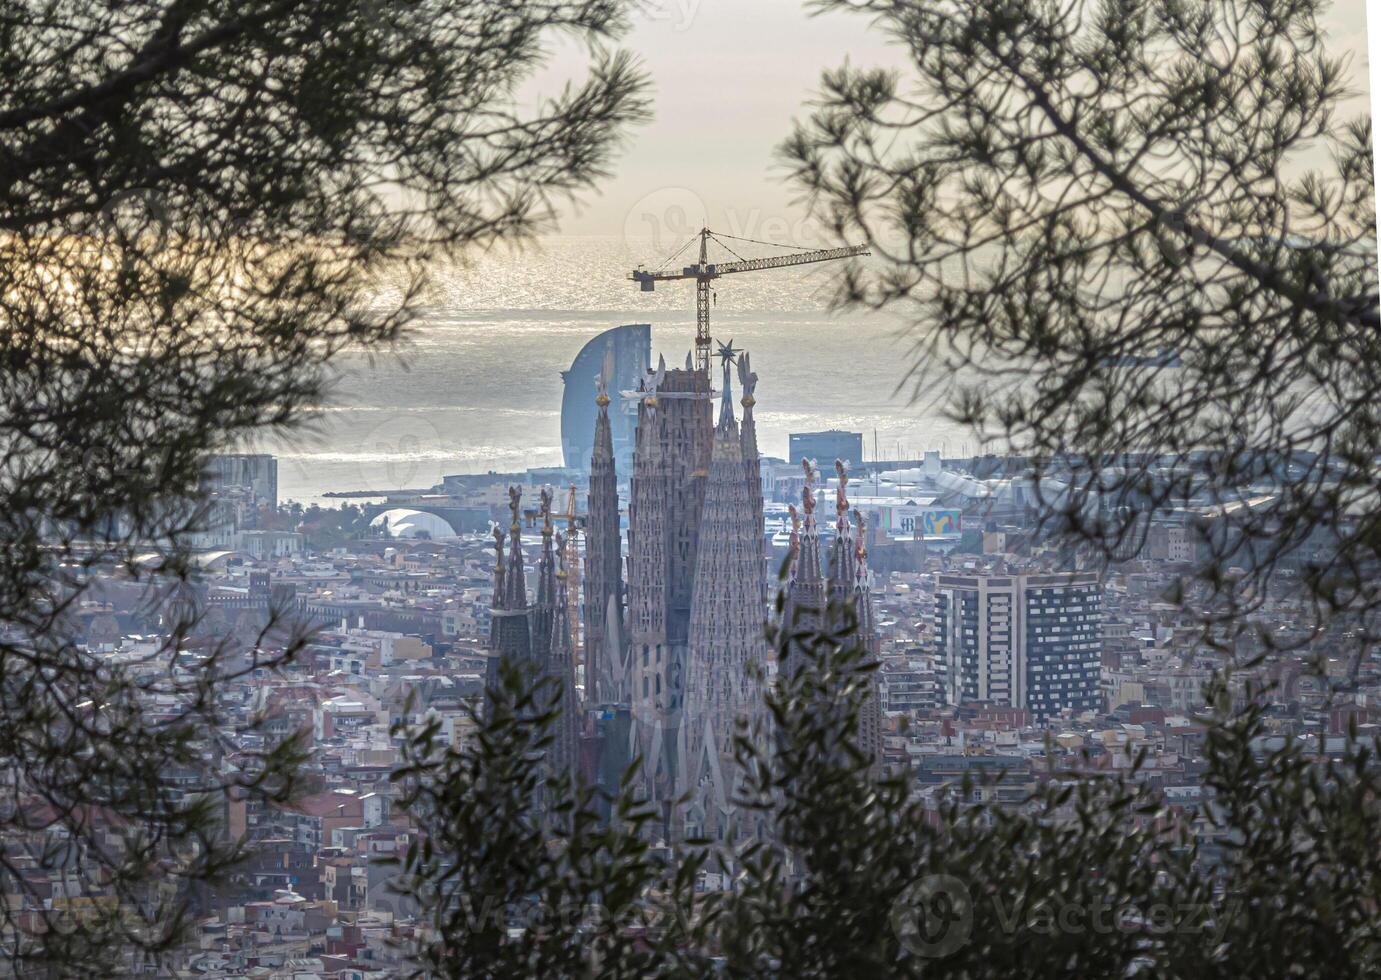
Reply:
x=870, y=720
x=670, y=466
x=509, y=627
x=849, y=590
x=496, y=600
x=545, y=606
x=752, y=459
x=606, y=676
x=727, y=643
x=805, y=590
x=843, y=573
x=559, y=667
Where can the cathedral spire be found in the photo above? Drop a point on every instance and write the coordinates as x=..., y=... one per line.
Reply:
x=841, y=496
x=509, y=635
x=726, y=400
x=497, y=598
x=870, y=715
x=603, y=599
x=515, y=582
x=546, y=583
x=862, y=545
x=805, y=592
x=808, y=558
x=748, y=381
x=604, y=439
x=843, y=557
x=727, y=645
x=559, y=667
x=675, y=437
x=863, y=590
x=748, y=438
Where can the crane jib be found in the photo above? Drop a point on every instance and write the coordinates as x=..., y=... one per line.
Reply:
x=715, y=269
x=704, y=271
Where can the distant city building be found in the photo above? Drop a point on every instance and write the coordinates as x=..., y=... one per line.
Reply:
x=238, y=487
x=1024, y=641
x=825, y=447
x=629, y=350
x=909, y=688
x=256, y=472
x=454, y=504
x=911, y=516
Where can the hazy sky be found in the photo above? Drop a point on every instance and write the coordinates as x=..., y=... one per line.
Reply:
x=729, y=77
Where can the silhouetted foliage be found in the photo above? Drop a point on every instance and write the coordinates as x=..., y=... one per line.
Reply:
x=200, y=203
x=1103, y=209
x=515, y=872
x=1142, y=240
x=1088, y=871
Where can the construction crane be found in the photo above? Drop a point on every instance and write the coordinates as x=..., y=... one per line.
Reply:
x=705, y=272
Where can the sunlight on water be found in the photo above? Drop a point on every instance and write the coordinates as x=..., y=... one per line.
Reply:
x=476, y=383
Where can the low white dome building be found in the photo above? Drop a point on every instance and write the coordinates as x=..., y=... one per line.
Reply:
x=402, y=522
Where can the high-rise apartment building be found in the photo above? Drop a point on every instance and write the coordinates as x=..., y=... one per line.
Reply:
x=255, y=472
x=828, y=445
x=1029, y=641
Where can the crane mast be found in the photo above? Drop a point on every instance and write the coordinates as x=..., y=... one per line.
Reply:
x=702, y=309
x=705, y=272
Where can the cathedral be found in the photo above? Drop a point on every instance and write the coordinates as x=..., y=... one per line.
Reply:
x=536, y=638
x=676, y=650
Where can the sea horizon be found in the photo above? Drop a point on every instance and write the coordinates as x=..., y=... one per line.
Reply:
x=475, y=384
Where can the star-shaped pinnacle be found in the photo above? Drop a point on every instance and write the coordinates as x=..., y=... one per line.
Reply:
x=728, y=353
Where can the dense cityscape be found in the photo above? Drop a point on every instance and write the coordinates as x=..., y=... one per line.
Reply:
x=638, y=577
x=431, y=552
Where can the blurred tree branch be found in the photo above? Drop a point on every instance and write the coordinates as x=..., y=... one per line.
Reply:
x=201, y=202
x=1142, y=241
